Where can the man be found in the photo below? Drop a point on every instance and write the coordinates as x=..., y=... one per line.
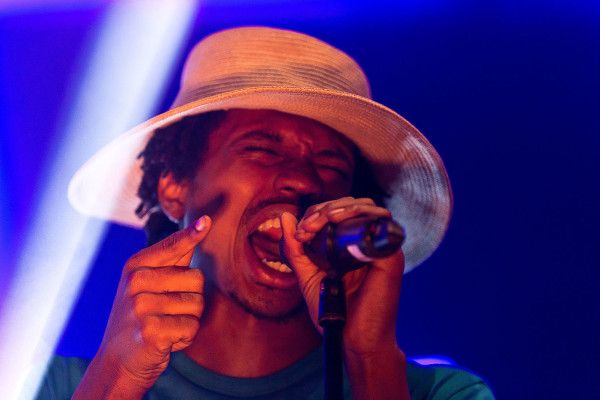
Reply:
x=272, y=134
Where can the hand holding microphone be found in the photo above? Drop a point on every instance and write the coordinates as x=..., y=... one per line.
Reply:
x=349, y=245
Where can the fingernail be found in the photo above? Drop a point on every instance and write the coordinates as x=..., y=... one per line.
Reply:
x=336, y=211
x=312, y=218
x=201, y=224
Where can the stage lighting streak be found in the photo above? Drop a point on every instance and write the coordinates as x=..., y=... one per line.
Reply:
x=4, y=224
x=134, y=53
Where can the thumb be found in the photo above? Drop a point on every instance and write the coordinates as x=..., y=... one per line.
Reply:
x=308, y=274
x=176, y=249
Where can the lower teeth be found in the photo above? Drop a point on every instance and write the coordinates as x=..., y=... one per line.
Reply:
x=276, y=265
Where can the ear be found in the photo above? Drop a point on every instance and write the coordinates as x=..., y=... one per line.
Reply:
x=171, y=196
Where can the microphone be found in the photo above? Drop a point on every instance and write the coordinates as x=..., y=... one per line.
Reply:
x=350, y=244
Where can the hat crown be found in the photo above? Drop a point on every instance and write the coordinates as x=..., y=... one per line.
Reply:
x=251, y=57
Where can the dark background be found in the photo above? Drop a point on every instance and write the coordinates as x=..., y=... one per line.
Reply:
x=507, y=92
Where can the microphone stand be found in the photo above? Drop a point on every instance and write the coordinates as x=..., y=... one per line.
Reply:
x=332, y=317
x=337, y=249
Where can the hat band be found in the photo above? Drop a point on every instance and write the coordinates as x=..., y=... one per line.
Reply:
x=296, y=75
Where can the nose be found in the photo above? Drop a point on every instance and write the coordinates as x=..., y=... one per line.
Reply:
x=299, y=179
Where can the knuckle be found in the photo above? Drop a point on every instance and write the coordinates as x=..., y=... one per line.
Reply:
x=139, y=304
x=133, y=261
x=149, y=328
x=197, y=277
x=198, y=305
x=340, y=202
x=190, y=326
x=136, y=280
x=312, y=209
x=201, y=304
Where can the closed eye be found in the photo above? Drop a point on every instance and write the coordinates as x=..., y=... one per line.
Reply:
x=338, y=170
x=260, y=149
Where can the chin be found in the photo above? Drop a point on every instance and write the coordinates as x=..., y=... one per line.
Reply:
x=270, y=308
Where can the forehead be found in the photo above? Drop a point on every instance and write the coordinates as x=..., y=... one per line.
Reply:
x=278, y=127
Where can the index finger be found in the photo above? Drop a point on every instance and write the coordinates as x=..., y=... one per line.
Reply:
x=176, y=249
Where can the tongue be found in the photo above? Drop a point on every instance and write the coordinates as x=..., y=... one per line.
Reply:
x=266, y=244
x=272, y=233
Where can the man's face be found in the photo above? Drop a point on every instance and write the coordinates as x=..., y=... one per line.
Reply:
x=260, y=163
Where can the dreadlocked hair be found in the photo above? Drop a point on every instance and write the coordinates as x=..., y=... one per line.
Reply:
x=177, y=149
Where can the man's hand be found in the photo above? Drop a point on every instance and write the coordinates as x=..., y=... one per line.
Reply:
x=156, y=311
x=372, y=295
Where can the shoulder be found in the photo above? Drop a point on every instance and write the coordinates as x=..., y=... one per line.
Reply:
x=62, y=377
x=441, y=382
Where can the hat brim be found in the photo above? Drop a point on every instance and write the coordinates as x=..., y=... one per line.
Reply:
x=404, y=163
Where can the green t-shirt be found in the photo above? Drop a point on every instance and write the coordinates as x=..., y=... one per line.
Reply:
x=184, y=379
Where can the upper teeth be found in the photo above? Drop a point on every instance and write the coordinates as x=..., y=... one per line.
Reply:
x=276, y=265
x=268, y=224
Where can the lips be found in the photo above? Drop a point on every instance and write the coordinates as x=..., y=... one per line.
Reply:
x=265, y=244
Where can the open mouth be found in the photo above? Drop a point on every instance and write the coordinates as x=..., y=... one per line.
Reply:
x=265, y=243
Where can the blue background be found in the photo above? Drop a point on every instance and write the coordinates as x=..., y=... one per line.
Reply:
x=507, y=92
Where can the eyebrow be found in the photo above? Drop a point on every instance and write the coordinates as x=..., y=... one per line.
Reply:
x=260, y=134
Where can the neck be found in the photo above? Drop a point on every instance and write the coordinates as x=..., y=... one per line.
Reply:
x=233, y=342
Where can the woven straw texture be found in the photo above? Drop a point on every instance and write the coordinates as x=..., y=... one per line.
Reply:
x=266, y=68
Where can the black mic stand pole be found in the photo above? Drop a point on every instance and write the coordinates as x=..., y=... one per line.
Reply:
x=332, y=317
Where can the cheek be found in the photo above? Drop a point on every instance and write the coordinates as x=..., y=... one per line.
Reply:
x=225, y=199
x=214, y=192
x=214, y=252
x=337, y=189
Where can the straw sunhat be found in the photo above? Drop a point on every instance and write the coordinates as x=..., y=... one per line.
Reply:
x=266, y=68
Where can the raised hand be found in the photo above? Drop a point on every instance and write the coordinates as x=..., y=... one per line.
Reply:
x=156, y=311
x=372, y=295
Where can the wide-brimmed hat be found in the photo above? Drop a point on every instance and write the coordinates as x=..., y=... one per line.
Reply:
x=275, y=69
